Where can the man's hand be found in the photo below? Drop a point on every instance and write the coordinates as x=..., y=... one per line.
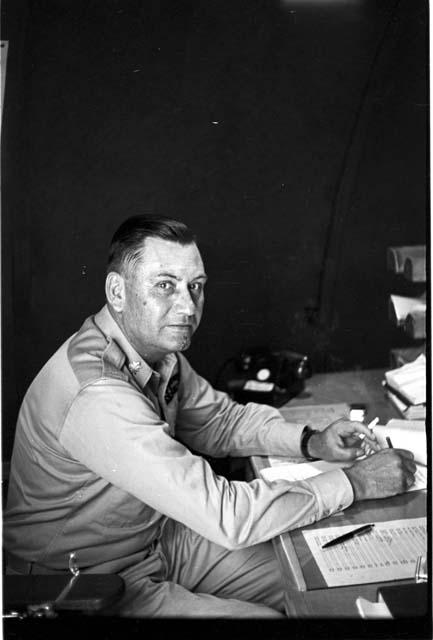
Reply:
x=341, y=441
x=383, y=474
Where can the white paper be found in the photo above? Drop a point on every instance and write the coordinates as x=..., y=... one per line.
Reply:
x=405, y=436
x=388, y=552
x=294, y=472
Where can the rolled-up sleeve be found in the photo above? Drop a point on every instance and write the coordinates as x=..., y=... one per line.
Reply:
x=116, y=432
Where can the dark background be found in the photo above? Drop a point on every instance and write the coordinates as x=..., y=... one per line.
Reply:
x=291, y=136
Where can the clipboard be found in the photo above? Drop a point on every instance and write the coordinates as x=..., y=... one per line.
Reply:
x=304, y=569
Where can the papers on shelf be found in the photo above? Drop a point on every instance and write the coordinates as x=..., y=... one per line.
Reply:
x=409, y=380
x=402, y=306
x=388, y=552
x=408, y=260
x=408, y=411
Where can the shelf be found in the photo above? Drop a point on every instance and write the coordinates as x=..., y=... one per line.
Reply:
x=408, y=261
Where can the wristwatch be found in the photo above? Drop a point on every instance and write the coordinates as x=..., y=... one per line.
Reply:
x=305, y=437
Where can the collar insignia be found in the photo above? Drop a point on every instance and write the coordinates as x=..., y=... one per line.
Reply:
x=135, y=366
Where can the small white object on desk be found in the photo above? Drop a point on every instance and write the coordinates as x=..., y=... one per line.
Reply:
x=372, y=610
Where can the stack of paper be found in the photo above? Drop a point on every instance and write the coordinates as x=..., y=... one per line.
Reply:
x=406, y=387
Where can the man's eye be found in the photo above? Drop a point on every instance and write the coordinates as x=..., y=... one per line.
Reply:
x=166, y=286
x=196, y=286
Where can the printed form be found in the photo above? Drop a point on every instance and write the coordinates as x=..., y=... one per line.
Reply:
x=388, y=552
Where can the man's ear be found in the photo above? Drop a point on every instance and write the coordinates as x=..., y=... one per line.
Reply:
x=115, y=290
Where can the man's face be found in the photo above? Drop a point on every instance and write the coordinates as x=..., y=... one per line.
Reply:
x=163, y=298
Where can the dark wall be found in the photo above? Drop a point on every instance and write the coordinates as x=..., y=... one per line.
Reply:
x=292, y=136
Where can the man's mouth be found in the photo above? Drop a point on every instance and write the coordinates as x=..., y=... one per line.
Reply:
x=180, y=327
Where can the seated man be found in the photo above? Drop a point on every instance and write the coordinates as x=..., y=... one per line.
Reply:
x=107, y=463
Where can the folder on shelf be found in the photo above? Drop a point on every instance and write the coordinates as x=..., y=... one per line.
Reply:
x=408, y=261
x=400, y=307
x=415, y=324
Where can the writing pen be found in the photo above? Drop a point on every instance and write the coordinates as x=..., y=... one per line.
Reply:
x=347, y=536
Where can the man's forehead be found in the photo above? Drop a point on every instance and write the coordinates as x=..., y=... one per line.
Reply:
x=159, y=254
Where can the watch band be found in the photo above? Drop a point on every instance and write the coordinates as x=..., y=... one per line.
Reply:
x=305, y=436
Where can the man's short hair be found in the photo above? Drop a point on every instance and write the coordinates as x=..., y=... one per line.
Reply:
x=127, y=243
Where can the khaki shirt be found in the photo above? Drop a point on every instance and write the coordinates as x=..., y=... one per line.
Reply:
x=107, y=449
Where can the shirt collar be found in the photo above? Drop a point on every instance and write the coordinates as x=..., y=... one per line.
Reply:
x=141, y=371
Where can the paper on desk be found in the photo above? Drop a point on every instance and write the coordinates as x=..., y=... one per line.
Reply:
x=388, y=552
x=294, y=471
x=405, y=434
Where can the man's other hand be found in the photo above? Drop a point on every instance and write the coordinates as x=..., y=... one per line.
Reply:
x=342, y=440
x=383, y=474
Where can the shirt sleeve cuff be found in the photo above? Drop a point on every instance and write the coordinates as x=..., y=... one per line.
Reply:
x=333, y=490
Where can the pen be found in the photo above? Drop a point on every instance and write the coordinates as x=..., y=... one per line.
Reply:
x=389, y=443
x=347, y=536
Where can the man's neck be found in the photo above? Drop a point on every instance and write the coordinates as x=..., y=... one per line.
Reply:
x=151, y=359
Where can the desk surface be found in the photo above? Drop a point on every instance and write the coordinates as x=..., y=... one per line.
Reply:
x=350, y=387
x=364, y=387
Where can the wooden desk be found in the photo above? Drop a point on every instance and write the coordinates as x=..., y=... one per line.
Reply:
x=337, y=602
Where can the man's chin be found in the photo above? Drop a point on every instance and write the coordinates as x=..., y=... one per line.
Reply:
x=183, y=345
x=179, y=340
x=180, y=344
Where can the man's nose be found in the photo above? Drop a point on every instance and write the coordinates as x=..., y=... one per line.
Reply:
x=185, y=303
